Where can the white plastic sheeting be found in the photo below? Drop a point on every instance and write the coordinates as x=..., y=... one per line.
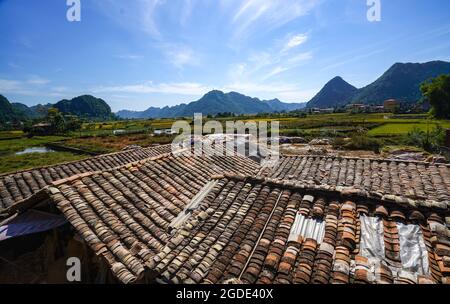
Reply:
x=413, y=252
x=372, y=239
x=307, y=228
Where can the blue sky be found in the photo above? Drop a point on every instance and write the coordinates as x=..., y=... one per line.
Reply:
x=141, y=53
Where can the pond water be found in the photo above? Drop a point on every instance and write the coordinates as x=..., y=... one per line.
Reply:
x=35, y=150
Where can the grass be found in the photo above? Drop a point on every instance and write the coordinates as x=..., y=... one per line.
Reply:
x=19, y=144
x=10, y=134
x=12, y=162
x=389, y=130
x=107, y=144
x=403, y=128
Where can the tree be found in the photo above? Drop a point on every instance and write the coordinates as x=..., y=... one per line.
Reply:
x=57, y=120
x=437, y=93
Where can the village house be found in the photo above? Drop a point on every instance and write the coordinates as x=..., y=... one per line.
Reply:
x=391, y=105
x=147, y=215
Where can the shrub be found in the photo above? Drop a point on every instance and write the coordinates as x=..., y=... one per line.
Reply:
x=360, y=141
x=429, y=140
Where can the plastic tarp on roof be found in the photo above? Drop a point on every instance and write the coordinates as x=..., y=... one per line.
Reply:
x=413, y=252
x=30, y=222
x=372, y=240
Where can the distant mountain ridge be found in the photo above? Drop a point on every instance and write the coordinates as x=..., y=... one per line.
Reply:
x=215, y=102
x=85, y=106
x=335, y=93
x=6, y=110
x=401, y=81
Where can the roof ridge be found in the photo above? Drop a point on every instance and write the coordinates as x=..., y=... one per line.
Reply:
x=76, y=161
x=366, y=158
x=127, y=165
x=343, y=191
x=48, y=189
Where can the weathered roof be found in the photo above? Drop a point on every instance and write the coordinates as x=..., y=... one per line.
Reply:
x=22, y=184
x=416, y=180
x=124, y=213
x=251, y=230
x=191, y=219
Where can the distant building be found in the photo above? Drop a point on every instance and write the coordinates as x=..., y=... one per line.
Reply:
x=391, y=105
x=119, y=132
x=41, y=129
x=164, y=131
x=321, y=111
x=356, y=107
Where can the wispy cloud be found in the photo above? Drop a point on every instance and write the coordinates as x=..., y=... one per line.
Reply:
x=129, y=57
x=181, y=56
x=134, y=15
x=183, y=88
x=283, y=91
x=37, y=80
x=276, y=60
x=352, y=59
x=186, y=11
x=34, y=86
x=7, y=85
x=286, y=92
x=14, y=65
x=295, y=41
x=268, y=14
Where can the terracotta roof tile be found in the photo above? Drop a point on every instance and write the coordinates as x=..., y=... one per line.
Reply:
x=414, y=180
x=124, y=213
x=245, y=237
x=21, y=185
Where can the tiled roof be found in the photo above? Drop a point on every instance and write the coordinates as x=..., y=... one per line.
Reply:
x=251, y=230
x=416, y=180
x=124, y=213
x=22, y=184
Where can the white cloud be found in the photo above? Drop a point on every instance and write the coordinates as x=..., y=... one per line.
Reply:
x=277, y=70
x=129, y=57
x=295, y=41
x=34, y=86
x=133, y=15
x=299, y=58
x=183, y=88
x=7, y=85
x=59, y=89
x=181, y=57
x=268, y=14
x=188, y=6
x=283, y=91
x=16, y=87
x=37, y=80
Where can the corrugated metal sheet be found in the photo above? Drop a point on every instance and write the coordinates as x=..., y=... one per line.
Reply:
x=307, y=228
